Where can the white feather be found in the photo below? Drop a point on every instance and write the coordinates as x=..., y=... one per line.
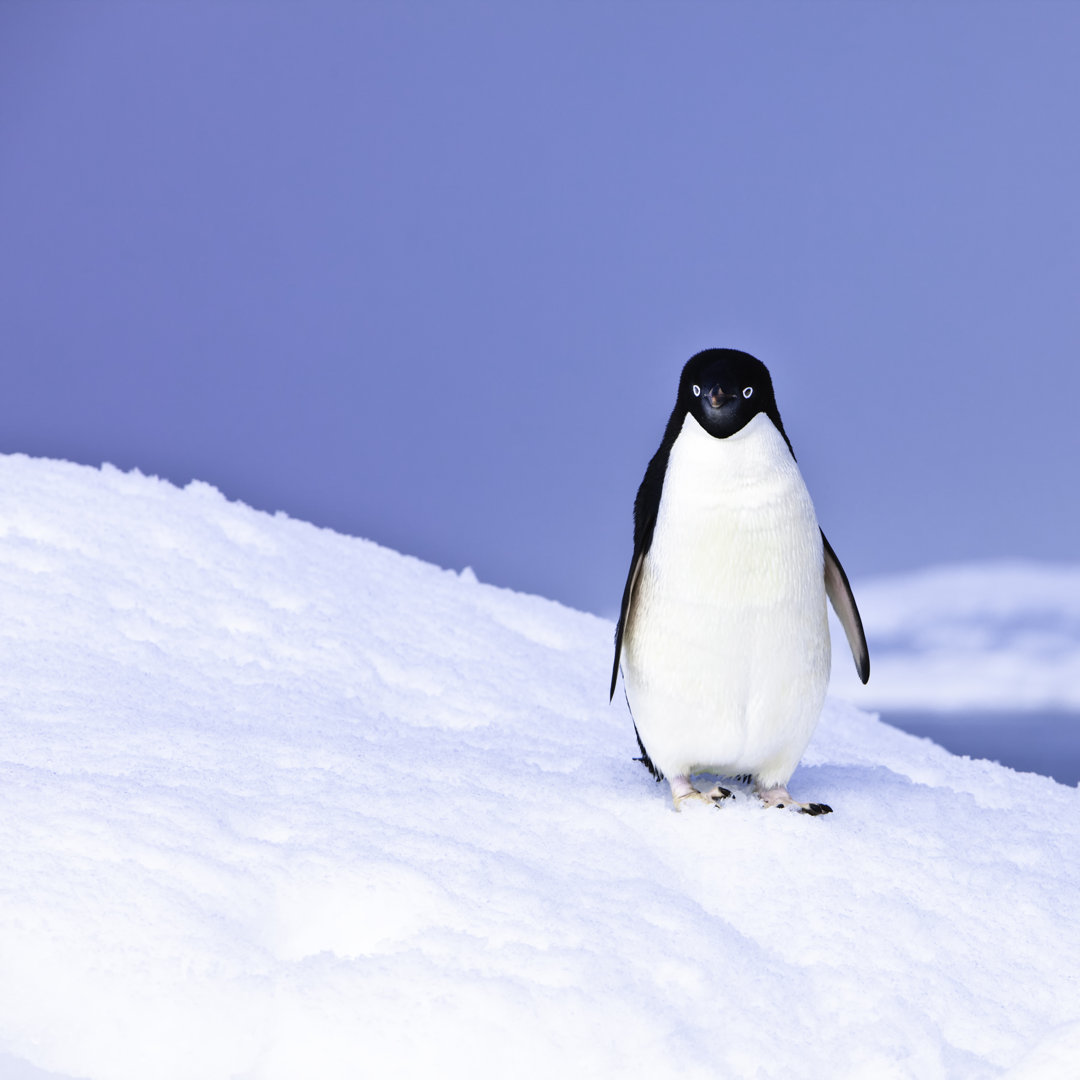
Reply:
x=726, y=654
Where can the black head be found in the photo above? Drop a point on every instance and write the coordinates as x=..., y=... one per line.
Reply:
x=724, y=389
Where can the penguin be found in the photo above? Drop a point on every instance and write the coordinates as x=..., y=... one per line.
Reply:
x=723, y=636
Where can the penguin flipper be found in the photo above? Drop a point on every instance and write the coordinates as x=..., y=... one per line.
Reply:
x=838, y=590
x=624, y=616
x=646, y=508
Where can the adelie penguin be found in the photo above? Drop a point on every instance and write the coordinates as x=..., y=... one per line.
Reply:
x=723, y=637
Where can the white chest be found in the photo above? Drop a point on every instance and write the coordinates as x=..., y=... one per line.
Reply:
x=735, y=525
x=727, y=651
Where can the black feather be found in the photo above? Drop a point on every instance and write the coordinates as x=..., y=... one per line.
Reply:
x=645, y=760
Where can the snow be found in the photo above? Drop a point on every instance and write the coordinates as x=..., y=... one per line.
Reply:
x=278, y=802
x=987, y=637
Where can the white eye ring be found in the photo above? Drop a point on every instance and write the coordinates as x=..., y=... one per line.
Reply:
x=748, y=391
x=697, y=391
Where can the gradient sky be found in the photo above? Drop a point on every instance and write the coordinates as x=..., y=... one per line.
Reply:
x=427, y=272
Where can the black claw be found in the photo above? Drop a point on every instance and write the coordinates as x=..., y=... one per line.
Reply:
x=816, y=808
x=779, y=806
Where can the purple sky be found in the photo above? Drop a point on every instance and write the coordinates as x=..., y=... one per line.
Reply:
x=427, y=273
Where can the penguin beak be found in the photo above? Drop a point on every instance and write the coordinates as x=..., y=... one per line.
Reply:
x=716, y=397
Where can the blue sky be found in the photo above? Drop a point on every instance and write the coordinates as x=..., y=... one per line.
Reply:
x=427, y=273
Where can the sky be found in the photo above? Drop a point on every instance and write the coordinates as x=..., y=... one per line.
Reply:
x=427, y=272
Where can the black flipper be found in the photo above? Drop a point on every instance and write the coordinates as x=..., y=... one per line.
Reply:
x=838, y=589
x=624, y=612
x=646, y=507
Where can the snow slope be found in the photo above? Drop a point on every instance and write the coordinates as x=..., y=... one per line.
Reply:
x=275, y=802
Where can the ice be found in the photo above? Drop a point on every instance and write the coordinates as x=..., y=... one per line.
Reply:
x=276, y=802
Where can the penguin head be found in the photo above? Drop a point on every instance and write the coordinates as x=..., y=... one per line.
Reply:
x=724, y=389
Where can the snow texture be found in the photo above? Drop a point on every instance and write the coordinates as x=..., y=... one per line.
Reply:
x=277, y=802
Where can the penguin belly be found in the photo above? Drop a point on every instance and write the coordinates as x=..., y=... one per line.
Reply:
x=726, y=653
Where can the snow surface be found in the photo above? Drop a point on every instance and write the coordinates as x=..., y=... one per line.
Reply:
x=278, y=803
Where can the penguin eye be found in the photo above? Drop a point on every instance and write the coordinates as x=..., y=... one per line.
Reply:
x=748, y=391
x=697, y=390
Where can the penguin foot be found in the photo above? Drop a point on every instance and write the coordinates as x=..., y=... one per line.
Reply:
x=779, y=798
x=709, y=798
x=683, y=792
